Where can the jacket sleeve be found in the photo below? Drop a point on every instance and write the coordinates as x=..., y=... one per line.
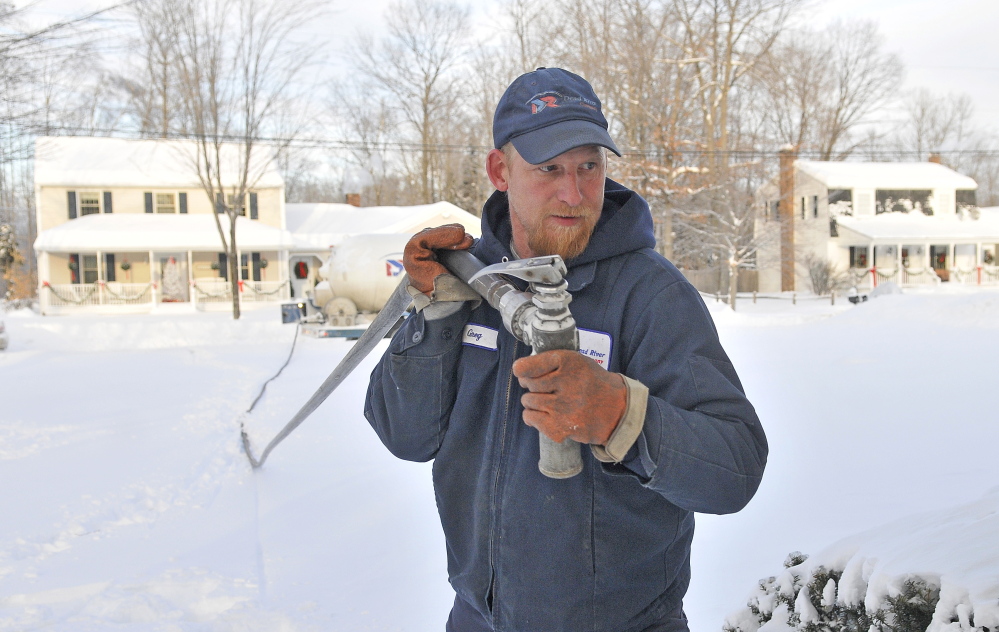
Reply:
x=702, y=446
x=412, y=389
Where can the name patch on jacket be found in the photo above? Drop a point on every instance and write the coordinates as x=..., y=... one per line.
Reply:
x=479, y=336
x=595, y=345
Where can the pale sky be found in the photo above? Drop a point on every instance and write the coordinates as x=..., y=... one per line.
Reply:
x=945, y=45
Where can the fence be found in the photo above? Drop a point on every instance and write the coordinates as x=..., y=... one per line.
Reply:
x=712, y=280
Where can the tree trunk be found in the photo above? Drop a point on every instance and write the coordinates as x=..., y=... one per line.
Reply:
x=234, y=268
x=733, y=282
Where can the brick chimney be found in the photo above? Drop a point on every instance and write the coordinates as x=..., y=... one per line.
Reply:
x=354, y=199
x=935, y=157
x=788, y=154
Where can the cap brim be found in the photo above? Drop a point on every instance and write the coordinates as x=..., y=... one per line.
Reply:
x=541, y=145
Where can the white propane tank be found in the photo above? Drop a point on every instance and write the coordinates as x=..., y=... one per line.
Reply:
x=365, y=269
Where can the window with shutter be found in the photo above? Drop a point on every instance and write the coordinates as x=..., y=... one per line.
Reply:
x=236, y=204
x=165, y=203
x=90, y=203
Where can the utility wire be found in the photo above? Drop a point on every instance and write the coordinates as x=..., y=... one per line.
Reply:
x=407, y=147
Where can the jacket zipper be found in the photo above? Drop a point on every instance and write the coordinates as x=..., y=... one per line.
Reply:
x=496, y=481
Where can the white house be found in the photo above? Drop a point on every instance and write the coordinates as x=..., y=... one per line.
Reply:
x=910, y=223
x=124, y=225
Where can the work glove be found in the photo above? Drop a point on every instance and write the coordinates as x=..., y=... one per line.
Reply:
x=571, y=396
x=419, y=260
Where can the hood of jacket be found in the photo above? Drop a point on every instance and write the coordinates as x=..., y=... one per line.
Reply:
x=625, y=225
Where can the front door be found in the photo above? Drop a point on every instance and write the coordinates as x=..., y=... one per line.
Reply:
x=173, y=278
x=938, y=260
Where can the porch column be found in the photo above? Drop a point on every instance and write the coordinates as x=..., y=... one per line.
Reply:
x=190, y=277
x=871, y=265
x=283, y=274
x=101, y=275
x=44, y=296
x=152, y=278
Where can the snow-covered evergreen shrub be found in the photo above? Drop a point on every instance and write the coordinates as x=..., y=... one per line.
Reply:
x=807, y=599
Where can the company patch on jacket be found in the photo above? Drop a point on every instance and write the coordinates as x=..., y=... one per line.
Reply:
x=595, y=345
x=479, y=336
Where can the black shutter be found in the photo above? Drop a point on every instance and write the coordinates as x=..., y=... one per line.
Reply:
x=107, y=201
x=71, y=203
x=109, y=265
x=149, y=202
x=253, y=207
x=256, y=265
x=223, y=265
x=219, y=203
x=74, y=268
x=183, y=202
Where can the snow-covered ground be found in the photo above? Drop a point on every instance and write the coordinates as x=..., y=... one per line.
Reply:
x=126, y=502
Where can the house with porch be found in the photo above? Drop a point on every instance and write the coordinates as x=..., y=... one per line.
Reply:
x=908, y=223
x=124, y=225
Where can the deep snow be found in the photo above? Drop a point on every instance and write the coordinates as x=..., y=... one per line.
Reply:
x=127, y=503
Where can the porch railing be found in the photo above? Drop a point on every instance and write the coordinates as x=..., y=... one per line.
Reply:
x=263, y=291
x=219, y=291
x=212, y=290
x=912, y=277
x=99, y=293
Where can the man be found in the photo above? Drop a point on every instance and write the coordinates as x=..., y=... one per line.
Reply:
x=669, y=429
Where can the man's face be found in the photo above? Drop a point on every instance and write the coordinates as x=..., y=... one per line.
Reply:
x=555, y=205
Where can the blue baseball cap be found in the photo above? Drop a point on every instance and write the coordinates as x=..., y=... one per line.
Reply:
x=547, y=112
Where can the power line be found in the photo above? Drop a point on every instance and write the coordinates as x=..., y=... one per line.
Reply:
x=305, y=142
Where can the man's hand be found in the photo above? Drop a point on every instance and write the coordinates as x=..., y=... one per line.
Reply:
x=571, y=396
x=419, y=260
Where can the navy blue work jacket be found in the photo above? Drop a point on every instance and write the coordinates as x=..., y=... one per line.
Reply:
x=607, y=550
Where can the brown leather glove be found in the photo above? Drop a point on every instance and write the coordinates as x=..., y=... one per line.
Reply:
x=418, y=257
x=571, y=396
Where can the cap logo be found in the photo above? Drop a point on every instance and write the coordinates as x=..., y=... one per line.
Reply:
x=540, y=103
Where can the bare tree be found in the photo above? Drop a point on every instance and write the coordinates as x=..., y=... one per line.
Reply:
x=417, y=64
x=719, y=224
x=237, y=62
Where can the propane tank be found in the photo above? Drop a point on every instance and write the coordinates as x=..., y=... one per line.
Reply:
x=359, y=276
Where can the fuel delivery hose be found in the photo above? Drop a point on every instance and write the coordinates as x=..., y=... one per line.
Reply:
x=541, y=319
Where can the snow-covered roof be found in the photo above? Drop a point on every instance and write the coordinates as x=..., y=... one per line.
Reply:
x=119, y=162
x=885, y=175
x=325, y=225
x=129, y=232
x=916, y=226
